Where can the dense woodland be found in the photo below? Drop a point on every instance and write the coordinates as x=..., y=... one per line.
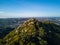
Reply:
x=33, y=32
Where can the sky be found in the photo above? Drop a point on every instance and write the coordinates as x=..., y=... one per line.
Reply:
x=29, y=8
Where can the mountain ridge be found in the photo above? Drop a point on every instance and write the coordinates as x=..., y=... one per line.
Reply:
x=34, y=32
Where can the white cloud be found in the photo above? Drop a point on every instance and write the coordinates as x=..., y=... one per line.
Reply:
x=1, y=12
x=25, y=14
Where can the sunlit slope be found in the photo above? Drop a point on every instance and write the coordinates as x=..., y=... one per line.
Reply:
x=34, y=32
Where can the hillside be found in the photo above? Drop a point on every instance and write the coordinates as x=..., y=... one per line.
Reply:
x=34, y=32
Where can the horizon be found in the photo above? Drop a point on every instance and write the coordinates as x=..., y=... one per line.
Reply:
x=29, y=8
x=27, y=17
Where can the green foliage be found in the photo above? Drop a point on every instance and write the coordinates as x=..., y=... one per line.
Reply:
x=41, y=32
x=1, y=42
x=43, y=42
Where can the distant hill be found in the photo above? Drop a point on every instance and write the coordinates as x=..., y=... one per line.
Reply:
x=9, y=24
x=34, y=32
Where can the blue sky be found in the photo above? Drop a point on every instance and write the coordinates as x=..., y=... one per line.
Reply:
x=29, y=8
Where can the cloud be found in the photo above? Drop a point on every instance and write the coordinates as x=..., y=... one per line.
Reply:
x=1, y=12
x=27, y=14
x=2, y=16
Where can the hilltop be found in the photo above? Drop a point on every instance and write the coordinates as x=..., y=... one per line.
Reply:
x=34, y=32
